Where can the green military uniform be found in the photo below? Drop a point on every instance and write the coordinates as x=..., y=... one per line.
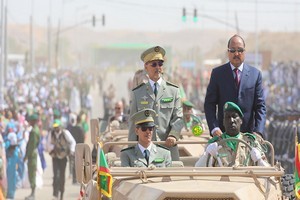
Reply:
x=233, y=153
x=166, y=103
x=194, y=122
x=133, y=157
x=242, y=155
x=31, y=152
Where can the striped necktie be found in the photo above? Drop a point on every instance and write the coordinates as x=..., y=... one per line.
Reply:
x=237, y=78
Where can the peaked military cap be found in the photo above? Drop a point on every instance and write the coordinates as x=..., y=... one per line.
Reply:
x=187, y=103
x=232, y=106
x=154, y=53
x=144, y=118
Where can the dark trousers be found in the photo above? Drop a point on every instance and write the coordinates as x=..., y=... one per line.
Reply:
x=59, y=170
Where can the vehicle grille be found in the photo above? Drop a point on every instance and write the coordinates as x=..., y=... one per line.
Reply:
x=197, y=198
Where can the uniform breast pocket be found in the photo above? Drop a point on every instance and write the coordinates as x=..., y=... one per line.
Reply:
x=166, y=109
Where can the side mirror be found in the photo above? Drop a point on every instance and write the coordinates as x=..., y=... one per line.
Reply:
x=83, y=163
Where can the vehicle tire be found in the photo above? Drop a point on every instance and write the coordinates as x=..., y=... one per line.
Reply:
x=288, y=186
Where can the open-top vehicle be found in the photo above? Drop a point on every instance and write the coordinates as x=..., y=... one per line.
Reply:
x=184, y=181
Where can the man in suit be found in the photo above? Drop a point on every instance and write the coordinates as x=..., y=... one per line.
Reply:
x=145, y=153
x=240, y=83
x=161, y=96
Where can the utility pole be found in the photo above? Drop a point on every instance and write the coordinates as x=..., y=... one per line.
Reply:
x=2, y=56
x=32, y=56
x=49, y=37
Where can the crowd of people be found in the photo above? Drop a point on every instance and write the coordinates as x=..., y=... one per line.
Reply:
x=56, y=106
x=32, y=103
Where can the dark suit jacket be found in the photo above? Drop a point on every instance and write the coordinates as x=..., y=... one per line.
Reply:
x=250, y=98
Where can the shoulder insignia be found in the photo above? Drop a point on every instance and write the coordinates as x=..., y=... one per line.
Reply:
x=250, y=136
x=197, y=119
x=161, y=146
x=138, y=86
x=172, y=84
x=128, y=148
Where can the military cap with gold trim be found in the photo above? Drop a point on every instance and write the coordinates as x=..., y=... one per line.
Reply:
x=153, y=53
x=144, y=118
x=232, y=106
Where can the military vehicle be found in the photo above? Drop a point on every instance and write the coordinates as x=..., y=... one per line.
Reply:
x=183, y=181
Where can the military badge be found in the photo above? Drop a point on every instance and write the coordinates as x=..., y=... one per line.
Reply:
x=147, y=113
x=167, y=100
x=156, y=49
x=159, y=160
x=144, y=98
x=197, y=130
x=144, y=102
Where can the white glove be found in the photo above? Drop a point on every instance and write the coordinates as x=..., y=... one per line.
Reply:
x=255, y=154
x=212, y=149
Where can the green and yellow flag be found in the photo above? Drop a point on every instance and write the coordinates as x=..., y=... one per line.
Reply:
x=104, y=178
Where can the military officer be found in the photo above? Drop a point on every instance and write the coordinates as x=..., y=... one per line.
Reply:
x=191, y=121
x=31, y=152
x=145, y=153
x=234, y=153
x=161, y=96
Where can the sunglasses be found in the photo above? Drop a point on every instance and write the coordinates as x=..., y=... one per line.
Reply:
x=155, y=64
x=239, y=50
x=117, y=108
x=144, y=129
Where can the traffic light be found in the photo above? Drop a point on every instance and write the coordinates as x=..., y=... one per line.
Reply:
x=183, y=15
x=94, y=20
x=195, y=18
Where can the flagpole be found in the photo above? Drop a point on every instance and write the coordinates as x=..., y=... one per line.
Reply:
x=98, y=171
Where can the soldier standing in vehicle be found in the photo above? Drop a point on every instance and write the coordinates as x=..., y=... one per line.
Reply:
x=191, y=121
x=161, y=96
x=31, y=152
x=60, y=143
x=234, y=153
x=145, y=153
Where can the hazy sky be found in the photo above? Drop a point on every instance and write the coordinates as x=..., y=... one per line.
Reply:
x=161, y=15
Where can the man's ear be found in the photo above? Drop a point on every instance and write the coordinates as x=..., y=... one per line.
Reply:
x=136, y=131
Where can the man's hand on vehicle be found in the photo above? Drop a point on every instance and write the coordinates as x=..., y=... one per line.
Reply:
x=213, y=148
x=255, y=154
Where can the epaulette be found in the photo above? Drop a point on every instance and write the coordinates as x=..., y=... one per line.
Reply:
x=197, y=119
x=128, y=148
x=163, y=147
x=138, y=86
x=172, y=84
x=250, y=136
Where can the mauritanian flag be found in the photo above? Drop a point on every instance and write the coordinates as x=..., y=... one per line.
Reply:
x=297, y=168
x=104, y=179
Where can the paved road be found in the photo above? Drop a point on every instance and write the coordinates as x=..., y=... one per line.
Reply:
x=72, y=191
